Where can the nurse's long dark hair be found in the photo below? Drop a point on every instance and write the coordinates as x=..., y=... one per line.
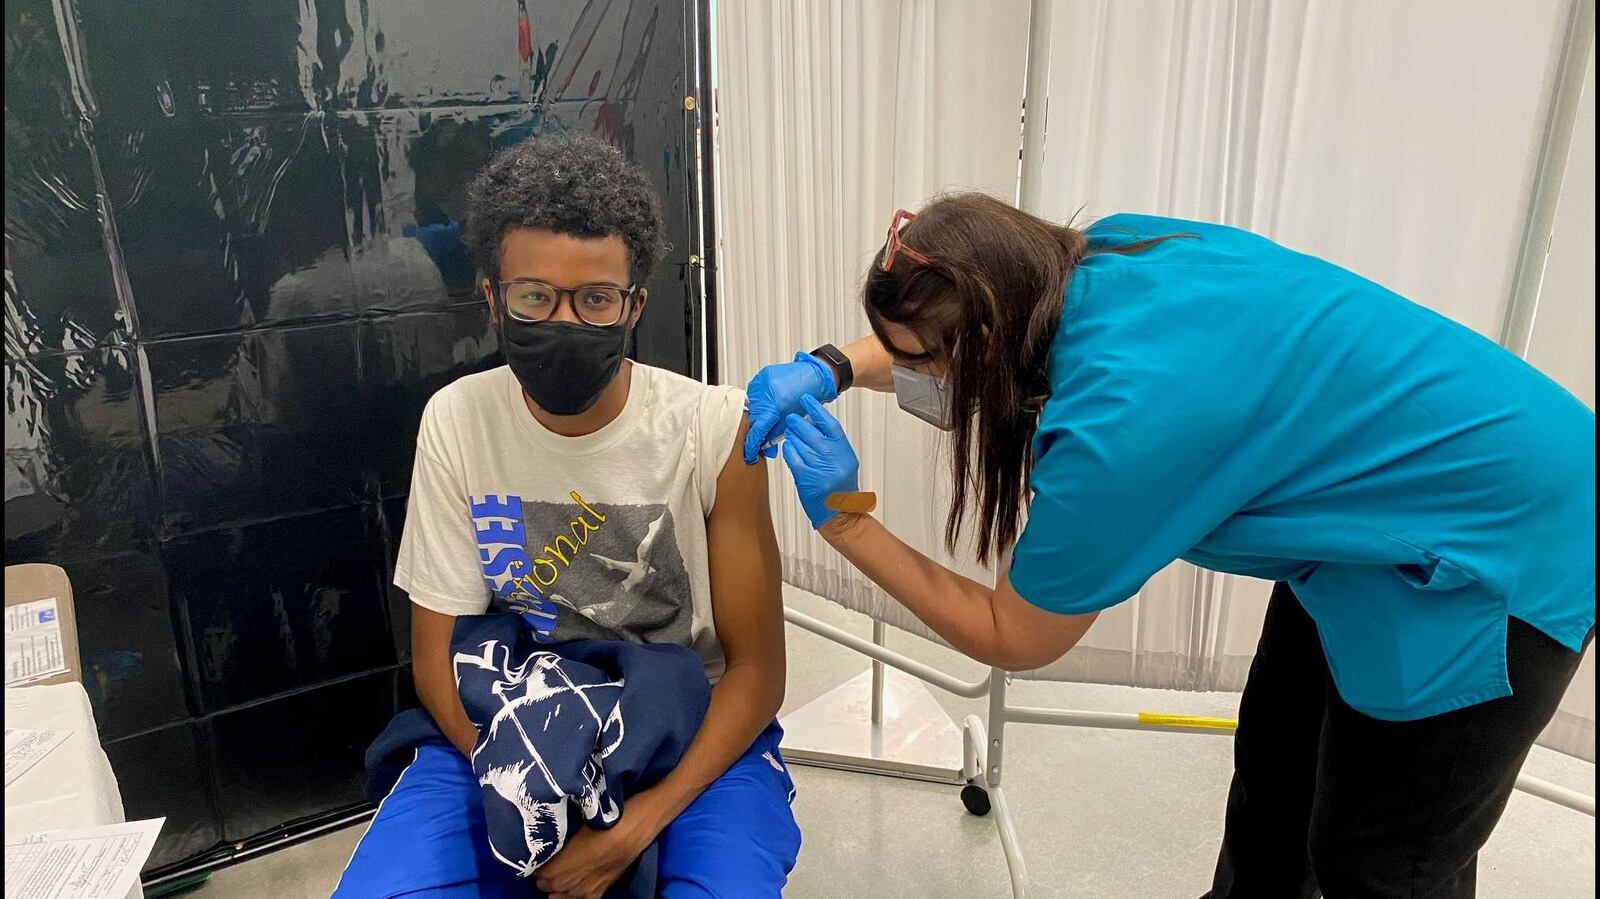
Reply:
x=986, y=307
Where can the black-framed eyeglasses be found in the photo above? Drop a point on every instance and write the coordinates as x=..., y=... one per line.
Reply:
x=601, y=305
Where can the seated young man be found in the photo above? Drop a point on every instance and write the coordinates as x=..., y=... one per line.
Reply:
x=600, y=498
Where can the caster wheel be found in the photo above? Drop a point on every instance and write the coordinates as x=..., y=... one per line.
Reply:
x=976, y=799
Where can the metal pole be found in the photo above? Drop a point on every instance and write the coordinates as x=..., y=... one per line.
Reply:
x=1196, y=724
x=998, y=713
x=1522, y=306
x=1544, y=789
x=1035, y=107
x=1122, y=720
x=926, y=673
x=877, y=677
x=1010, y=844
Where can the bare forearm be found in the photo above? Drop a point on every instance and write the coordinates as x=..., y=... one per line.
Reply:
x=743, y=703
x=439, y=697
x=957, y=608
x=996, y=626
x=434, y=674
x=869, y=362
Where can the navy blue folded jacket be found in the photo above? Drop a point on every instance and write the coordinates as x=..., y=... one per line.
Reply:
x=565, y=733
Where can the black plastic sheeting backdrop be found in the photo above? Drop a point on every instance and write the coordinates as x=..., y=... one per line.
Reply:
x=233, y=279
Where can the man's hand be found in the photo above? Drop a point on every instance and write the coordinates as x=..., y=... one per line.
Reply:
x=592, y=860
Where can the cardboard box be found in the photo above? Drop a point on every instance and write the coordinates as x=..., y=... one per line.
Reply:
x=33, y=582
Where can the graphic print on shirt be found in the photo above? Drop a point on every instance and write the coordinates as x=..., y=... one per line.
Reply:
x=584, y=570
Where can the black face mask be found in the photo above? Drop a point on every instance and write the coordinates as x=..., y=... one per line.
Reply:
x=563, y=366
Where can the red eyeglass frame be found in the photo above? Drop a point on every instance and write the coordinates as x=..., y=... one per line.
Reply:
x=892, y=247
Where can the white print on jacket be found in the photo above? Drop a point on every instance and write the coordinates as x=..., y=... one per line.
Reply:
x=543, y=747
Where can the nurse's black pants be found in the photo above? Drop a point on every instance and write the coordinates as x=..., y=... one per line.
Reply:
x=1328, y=801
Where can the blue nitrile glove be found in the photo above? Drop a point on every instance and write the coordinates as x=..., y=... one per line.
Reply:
x=775, y=392
x=820, y=458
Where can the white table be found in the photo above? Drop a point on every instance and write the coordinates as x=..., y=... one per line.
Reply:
x=73, y=786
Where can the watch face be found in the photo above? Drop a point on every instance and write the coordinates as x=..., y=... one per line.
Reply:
x=837, y=360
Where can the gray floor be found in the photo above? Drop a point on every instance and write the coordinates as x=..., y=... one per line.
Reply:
x=1100, y=813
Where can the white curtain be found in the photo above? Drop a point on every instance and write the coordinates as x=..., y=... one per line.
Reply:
x=1399, y=139
x=831, y=115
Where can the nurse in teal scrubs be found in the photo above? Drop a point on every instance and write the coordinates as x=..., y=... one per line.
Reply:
x=1152, y=389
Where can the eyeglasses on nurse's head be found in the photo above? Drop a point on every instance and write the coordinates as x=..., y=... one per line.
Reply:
x=601, y=305
x=892, y=246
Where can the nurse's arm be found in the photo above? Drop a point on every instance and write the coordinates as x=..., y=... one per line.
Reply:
x=991, y=624
x=869, y=364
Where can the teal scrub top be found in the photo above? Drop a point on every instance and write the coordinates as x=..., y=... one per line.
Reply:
x=1257, y=411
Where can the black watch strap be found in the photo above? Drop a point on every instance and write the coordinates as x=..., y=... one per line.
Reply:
x=843, y=372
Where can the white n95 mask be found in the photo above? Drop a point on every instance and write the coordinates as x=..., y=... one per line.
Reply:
x=924, y=396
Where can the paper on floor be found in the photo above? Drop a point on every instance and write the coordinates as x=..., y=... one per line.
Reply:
x=86, y=863
x=25, y=747
x=33, y=642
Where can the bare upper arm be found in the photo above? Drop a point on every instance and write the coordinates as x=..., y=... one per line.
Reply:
x=746, y=573
x=1037, y=636
x=430, y=633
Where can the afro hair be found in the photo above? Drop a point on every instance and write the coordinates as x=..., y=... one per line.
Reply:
x=571, y=184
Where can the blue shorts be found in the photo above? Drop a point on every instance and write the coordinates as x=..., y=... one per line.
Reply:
x=738, y=838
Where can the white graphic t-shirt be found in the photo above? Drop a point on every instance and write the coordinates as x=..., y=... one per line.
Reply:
x=600, y=536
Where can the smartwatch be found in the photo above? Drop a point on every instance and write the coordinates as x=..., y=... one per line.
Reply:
x=843, y=373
